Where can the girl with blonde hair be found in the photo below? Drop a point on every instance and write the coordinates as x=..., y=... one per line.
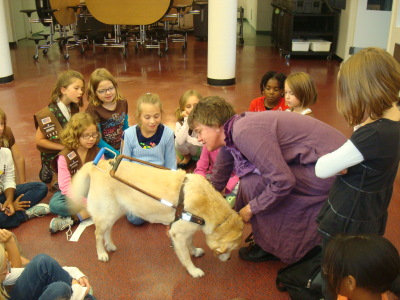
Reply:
x=79, y=137
x=149, y=140
x=41, y=278
x=186, y=143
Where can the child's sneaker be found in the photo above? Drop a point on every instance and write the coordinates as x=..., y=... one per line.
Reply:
x=38, y=210
x=60, y=223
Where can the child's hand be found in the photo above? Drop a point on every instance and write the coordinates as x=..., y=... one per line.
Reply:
x=8, y=208
x=84, y=281
x=5, y=236
x=21, y=205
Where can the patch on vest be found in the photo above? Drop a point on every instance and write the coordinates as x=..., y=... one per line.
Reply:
x=46, y=120
x=71, y=155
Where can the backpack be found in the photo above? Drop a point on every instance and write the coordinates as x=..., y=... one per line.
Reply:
x=302, y=280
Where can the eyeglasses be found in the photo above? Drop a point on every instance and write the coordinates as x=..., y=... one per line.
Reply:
x=110, y=89
x=87, y=136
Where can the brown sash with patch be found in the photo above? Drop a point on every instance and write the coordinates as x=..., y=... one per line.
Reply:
x=73, y=160
x=51, y=122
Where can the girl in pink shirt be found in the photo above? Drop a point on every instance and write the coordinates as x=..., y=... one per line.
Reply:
x=204, y=167
x=80, y=137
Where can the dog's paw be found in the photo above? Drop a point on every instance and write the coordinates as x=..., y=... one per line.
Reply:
x=102, y=256
x=196, y=272
x=111, y=248
x=198, y=252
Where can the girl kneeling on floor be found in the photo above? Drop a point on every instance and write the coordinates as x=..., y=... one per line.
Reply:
x=79, y=137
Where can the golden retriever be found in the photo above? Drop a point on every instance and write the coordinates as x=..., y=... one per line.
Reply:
x=108, y=199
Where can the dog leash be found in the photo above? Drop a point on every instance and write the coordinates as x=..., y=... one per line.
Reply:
x=180, y=213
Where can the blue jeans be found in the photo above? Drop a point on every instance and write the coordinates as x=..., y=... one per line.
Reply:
x=59, y=205
x=135, y=220
x=33, y=191
x=44, y=279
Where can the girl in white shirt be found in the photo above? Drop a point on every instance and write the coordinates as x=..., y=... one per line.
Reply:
x=186, y=143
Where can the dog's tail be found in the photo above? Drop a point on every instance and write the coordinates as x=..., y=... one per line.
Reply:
x=80, y=187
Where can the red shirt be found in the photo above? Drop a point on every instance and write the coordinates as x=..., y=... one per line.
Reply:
x=258, y=105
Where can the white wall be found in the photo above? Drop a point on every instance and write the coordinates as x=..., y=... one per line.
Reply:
x=394, y=33
x=346, y=29
x=264, y=15
x=251, y=14
x=372, y=27
x=18, y=25
x=10, y=25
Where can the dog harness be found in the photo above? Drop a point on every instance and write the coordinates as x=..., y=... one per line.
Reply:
x=180, y=213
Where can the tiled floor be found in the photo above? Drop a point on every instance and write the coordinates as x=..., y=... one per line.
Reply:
x=144, y=266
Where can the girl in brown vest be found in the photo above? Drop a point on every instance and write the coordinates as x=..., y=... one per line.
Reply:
x=80, y=138
x=66, y=98
x=109, y=109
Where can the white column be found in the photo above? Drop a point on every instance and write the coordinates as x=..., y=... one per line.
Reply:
x=221, y=64
x=6, y=72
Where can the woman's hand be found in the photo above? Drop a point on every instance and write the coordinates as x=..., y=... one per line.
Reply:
x=245, y=213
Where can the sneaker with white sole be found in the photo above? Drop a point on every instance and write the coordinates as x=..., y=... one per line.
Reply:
x=38, y=210
x=60, y=223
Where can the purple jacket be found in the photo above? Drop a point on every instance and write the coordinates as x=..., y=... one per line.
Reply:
x=285, y=196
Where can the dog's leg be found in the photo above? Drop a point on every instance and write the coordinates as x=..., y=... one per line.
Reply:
x=99, y=233
x=108, y=242
x=181, y=237
x=196, y=252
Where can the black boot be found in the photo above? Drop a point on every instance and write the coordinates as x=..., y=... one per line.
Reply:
x=255, y=253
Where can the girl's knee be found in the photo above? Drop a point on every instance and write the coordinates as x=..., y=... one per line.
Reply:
x=58, y=205
x=57, y=290
x=41, y=259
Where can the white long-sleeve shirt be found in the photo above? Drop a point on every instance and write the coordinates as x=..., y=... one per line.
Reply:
x=333, y=163
x=182, y=134
x=7, y=174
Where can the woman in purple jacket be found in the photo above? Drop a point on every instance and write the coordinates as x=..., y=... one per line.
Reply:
x=274, y=154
